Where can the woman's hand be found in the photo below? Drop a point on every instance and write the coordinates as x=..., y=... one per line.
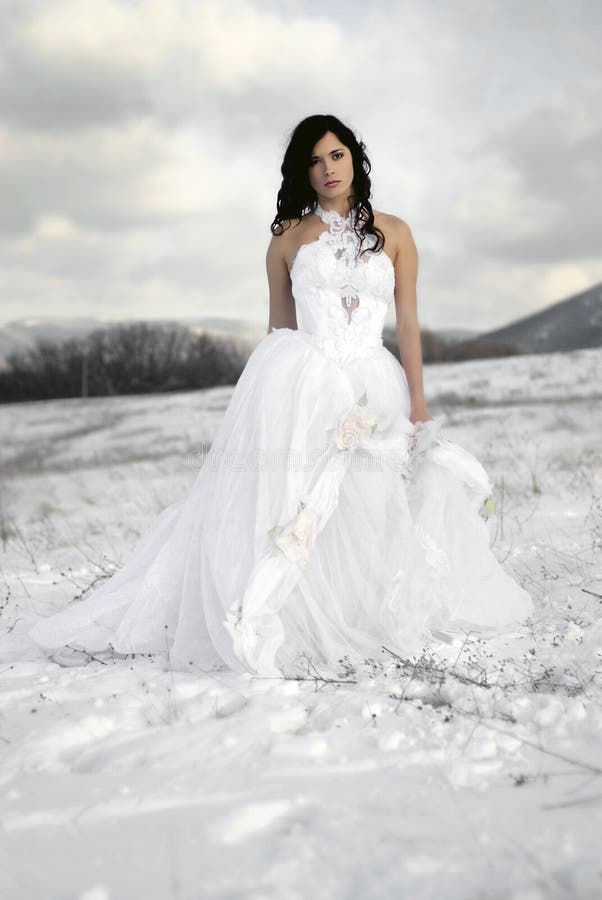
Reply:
x=426, y=429
x=419, y=413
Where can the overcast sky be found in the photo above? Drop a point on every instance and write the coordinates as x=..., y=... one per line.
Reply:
x=141, y=142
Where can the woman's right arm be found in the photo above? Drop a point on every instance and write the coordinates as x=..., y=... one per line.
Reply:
x=282, y=303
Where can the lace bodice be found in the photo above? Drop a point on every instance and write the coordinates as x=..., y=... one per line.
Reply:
x=342, y=298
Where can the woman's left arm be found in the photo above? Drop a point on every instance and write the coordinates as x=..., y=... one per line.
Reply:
x=407, y=326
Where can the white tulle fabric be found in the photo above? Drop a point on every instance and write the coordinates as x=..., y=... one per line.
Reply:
x=322, y=524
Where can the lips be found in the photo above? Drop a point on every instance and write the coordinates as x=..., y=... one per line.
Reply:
x=332, y=183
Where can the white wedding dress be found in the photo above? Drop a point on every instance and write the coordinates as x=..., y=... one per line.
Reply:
x=322, y=524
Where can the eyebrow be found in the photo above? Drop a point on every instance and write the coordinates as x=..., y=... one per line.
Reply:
x=336, y=150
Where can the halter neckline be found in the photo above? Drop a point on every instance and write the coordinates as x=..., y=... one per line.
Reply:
x=331, y=215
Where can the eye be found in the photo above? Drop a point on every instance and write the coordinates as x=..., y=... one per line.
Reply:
x=337, y=155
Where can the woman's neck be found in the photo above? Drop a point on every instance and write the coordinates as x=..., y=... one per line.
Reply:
x=340, y=205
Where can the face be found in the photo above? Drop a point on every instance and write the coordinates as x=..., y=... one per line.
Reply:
x=331, y=162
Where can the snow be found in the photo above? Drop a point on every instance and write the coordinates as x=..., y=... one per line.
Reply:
x=474, y=771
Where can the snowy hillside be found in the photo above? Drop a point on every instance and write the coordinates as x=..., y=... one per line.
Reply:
x=471, y=773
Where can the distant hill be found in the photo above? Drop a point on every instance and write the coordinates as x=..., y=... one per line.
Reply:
x=455, y=335
x=571, y=324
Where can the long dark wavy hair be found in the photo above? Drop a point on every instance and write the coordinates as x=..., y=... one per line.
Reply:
x=296, y=195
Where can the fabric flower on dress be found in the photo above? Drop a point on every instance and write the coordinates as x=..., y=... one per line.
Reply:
x=425, y=436
x=232, y=626
x=243, y=635
x=435, y=555
x=488, y=508
x=358, y=424
x=296, y=540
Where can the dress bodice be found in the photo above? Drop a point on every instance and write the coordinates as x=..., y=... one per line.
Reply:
x=341, y=297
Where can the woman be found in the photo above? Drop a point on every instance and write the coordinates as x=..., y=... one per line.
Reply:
x=330, y=519
x=332, y=180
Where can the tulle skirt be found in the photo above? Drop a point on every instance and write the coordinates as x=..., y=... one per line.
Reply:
x=322, y=525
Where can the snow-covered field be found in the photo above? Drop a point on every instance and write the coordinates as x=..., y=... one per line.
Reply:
x=472, y=773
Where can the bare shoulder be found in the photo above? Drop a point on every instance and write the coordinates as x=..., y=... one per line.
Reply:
x=397, y=227
x=287, y=228
x=288, y=225
x=278, y=247
x=285, y=245
x=397, y=232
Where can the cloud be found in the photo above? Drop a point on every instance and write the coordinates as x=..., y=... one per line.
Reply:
x=80, y=63
x=140, y=146
x=521, y=228
x=115, y=177
x=532, y=196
